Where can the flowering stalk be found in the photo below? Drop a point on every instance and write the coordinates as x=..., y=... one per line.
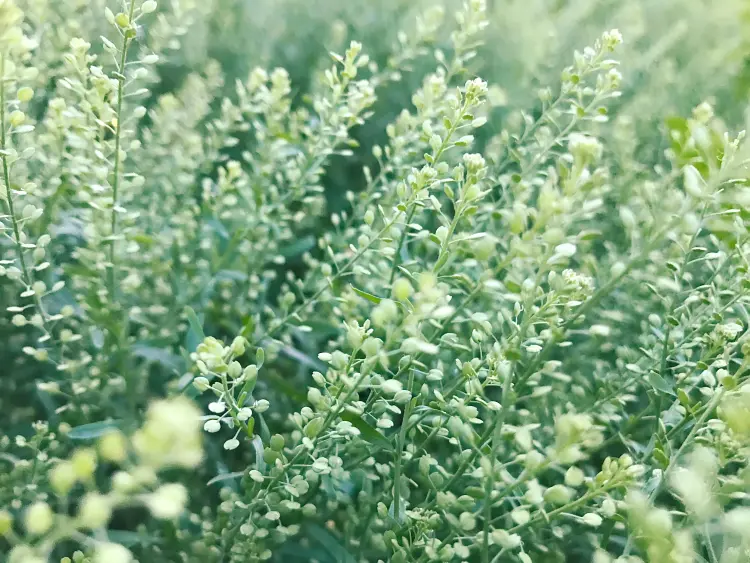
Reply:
x=18, y=241
x=128, y=34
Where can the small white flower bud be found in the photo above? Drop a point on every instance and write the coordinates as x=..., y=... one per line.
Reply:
x=402, y=289
x=505, y=539
x=201, y=384
x=168, y=501
x=212, y=426
x=558, y=494
x=95, y=511
x=25, y=94
x=217, y=407
x=261, y=406
x=574, y=477
x=592, y=519
x=112, y=553
x=391, y=386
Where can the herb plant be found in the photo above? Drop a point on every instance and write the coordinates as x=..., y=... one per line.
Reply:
x=428, y=299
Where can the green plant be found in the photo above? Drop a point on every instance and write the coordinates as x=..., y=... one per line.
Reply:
x=367, y=312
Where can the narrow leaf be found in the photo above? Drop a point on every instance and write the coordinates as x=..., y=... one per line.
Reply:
x=660, y=384
x=93, y=429
x=195, y=334
x=159, y=356
x=226, y=477
x=369, y=296
x=367, y=431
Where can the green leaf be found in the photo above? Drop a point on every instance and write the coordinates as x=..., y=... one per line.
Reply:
x=248, y=326
x=195, y=335
x=226, y=477
x=684, y=398
x=298, y=247
x=260, y=463
x=128, y=538
x=265, y=433
x=302, y=358
x=93, y=429
x=218, y=228
x=661, y=458
x=512, y=286
x=367, y=431
x=590, y=234
x=660, y=384
x=475, y=492
x=330, y=543
x=369, y=296
x=159, y=356
x=291, y=391
x=231, y=275
x=97, y=337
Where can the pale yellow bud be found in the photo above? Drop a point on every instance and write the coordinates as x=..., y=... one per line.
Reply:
x=113, y=447
x=84, y=463
x=63, y=477
x=95, y=511
x=38, y=518
x=25, y=94
x=402, y=289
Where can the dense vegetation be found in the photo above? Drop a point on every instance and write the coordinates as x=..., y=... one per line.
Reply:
x=374, y=280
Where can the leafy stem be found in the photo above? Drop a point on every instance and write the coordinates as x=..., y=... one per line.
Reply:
x=127, y=37
x=26, y=272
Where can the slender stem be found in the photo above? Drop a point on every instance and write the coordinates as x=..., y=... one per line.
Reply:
x=673, y=461
x=498, y=422
x=341, y=273
x=490, y=485
x=442, y=258
x=709, y=544
x=686, y=443
x=398, y=453
x=6, y=174
x=401, y=240
x=665, y=352
x=435, y=159
x=546, y=516
x=597, y=296
x=112, y=277
x=27, y=277
x=302, y=450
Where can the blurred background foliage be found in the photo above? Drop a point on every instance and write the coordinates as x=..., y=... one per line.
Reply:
x=677, y=53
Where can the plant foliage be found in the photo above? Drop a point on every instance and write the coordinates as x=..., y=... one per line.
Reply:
x=374, y=281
